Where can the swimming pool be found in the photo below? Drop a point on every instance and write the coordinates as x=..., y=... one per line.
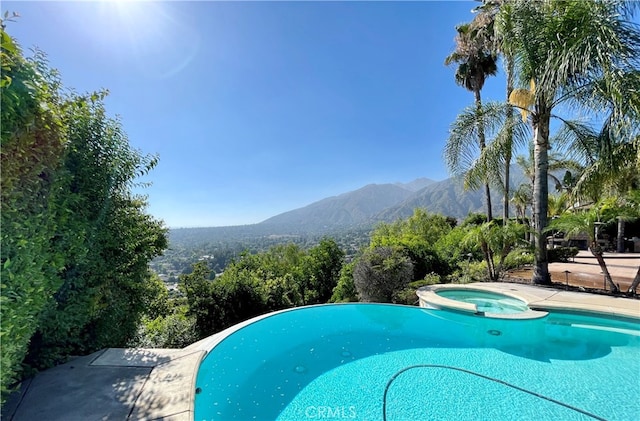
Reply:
x=388, y=362
x=485, y=301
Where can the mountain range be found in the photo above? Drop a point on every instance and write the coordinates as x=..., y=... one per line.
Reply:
x=360, y=209
x=388, y=202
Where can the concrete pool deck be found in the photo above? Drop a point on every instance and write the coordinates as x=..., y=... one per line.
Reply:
x=112, y=384
x=159, y=384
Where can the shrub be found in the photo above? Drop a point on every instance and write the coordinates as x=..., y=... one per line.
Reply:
x=408, y=295
x=562, y=254
x=381, y=274
x=345, y=291
x=518, y=258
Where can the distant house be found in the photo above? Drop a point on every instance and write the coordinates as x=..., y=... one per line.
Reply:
x=581, y=241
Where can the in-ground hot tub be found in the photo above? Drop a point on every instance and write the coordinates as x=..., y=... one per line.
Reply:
x=476, y=300
x=485, y=301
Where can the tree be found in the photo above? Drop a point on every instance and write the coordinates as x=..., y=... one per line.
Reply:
x=586, y=222
x=202, y=305
x=416, y=236
x=475, y=62
x=323, y=266
x=568, y=50
x=345, y=290
x=382, y=273
x=493, y=24
x=106, y=237
x=495, y=241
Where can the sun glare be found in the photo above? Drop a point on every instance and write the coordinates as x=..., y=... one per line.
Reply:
x=154, y=33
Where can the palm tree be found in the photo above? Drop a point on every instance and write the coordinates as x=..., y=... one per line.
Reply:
x=494, y=241
x=612, y=165
x=493, y=21
x=475, y=63
x=587, y=222
x=569, y=50
x=521, y=199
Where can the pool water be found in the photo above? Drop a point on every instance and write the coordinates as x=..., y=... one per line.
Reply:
x=386, y=362
x=486, y=302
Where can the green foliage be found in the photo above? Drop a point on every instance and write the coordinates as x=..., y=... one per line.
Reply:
x=452, y=247
x=475, y=272
x=416, y=236
x=474, y=219
x=175, y=330
x=381, y=273
x=32, y=146
x=518, y=258
x=562, y=254
x=345, y=290
x=106, y=285
x=322, y=271
x=495, y=242
x=408, y=295
x=201, y=304
x=75, y=242
x=421, y=228
x=282, y=277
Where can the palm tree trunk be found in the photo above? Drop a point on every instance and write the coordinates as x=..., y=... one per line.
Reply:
x=482, y=145
x=635, y=283
x=486, y=251
x=507, y=157
x=596, y=250
x=620, y=239
x=541, y=121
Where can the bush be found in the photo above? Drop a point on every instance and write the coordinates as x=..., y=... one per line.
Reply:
x=381, y=274
x=345, y=291
x=518, y=258
x=408, y=295
x=562, y=254
x=473, y=272
x=172, y=331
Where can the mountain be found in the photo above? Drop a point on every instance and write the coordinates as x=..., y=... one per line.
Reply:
x=448, y=197
x=356, y=210
x=416, y=185
x=348, y=209
x=445, y=197
x=389, y=202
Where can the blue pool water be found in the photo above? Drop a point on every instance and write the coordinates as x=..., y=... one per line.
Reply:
x=486, y=302
x=386, y=362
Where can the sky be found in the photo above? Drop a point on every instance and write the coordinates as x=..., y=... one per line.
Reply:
x=257, y=108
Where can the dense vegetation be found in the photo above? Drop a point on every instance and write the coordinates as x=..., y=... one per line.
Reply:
x=76, y=242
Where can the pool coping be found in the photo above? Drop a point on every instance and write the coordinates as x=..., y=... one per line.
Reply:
x=159, y=384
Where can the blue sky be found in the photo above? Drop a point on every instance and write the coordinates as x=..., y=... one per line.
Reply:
x=257, y=108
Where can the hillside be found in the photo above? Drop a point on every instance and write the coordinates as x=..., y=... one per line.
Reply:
x=446, y=197
x=348, y=209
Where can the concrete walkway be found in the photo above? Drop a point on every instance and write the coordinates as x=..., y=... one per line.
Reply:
x=112, y=384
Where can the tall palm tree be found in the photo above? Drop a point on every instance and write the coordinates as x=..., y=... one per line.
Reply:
x=570, y=50
x=475, y=64
x=493, y=22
